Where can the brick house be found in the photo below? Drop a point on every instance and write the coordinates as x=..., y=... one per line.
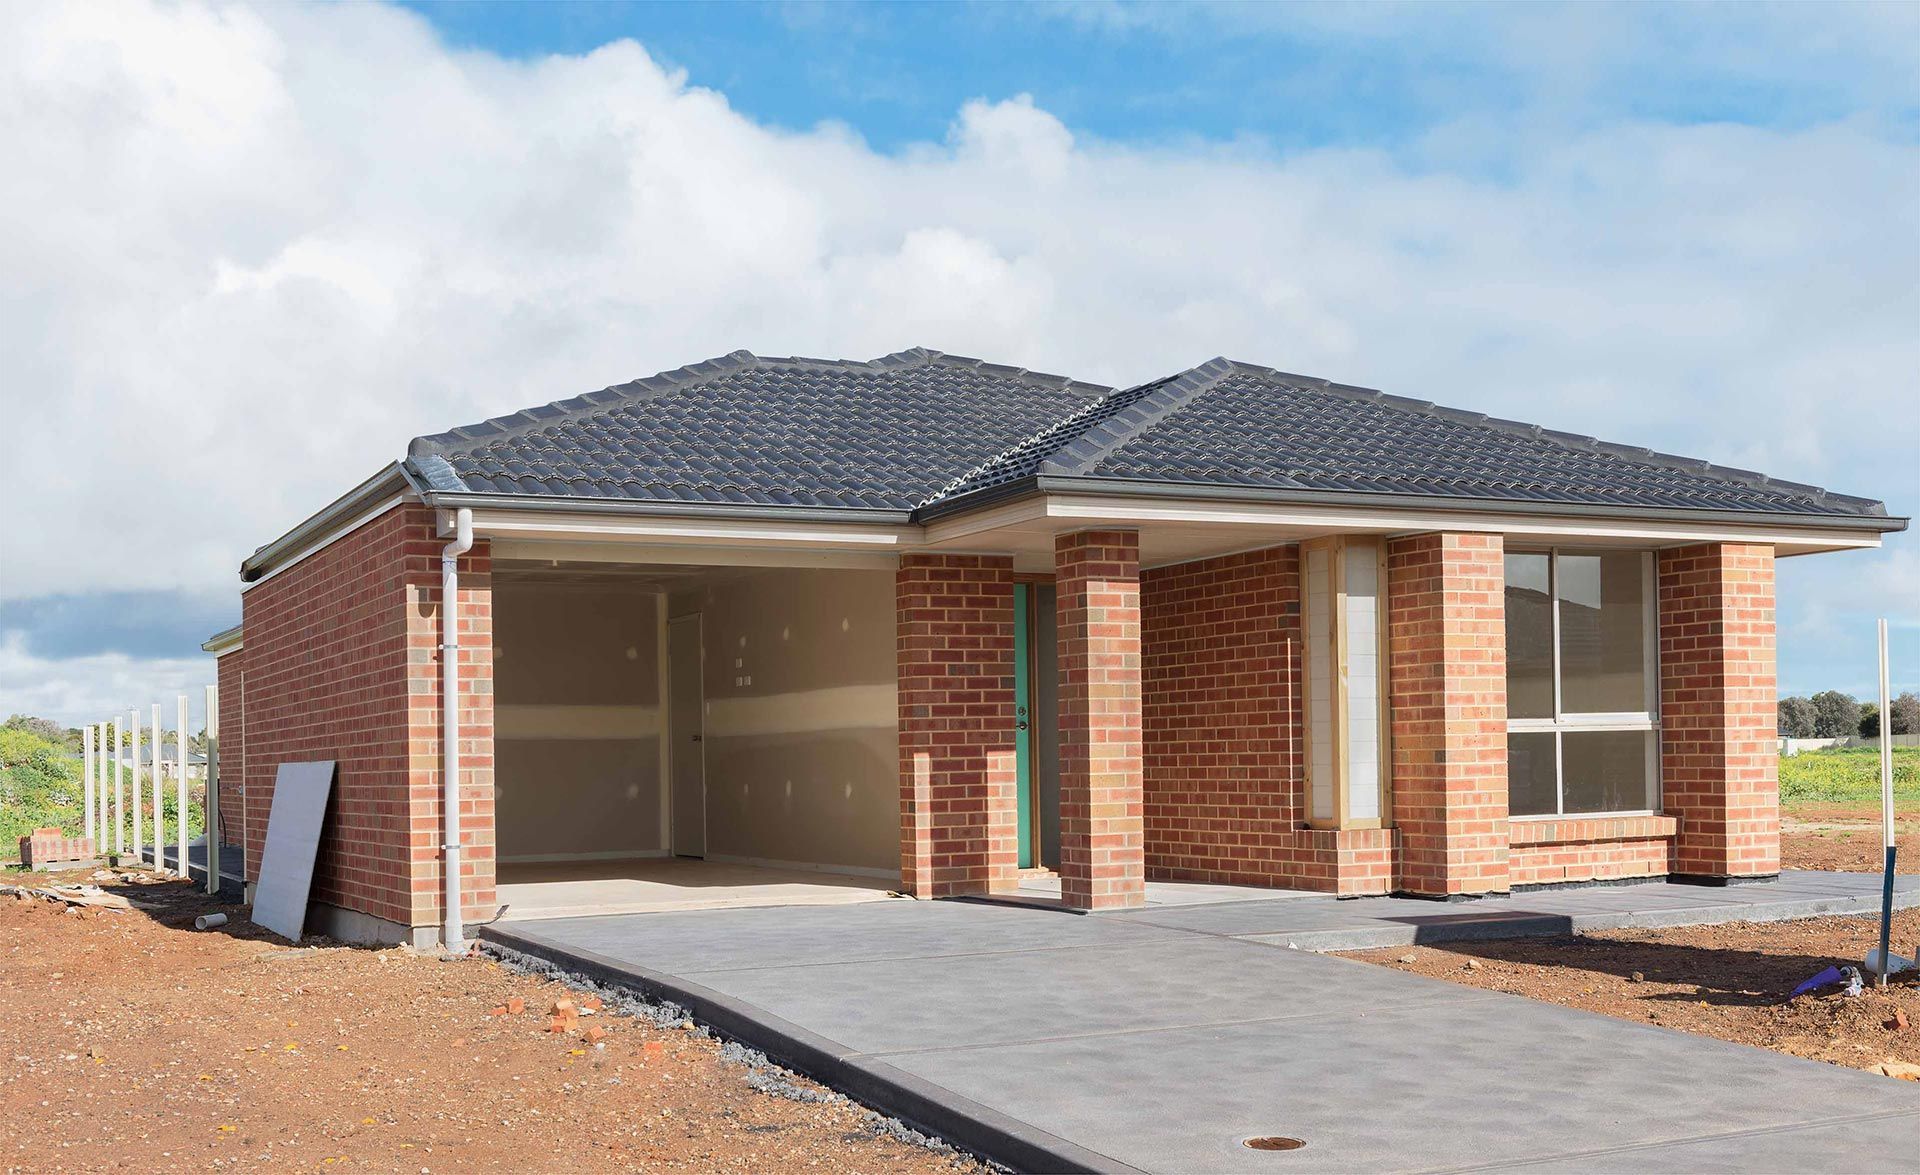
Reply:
x=955, y=625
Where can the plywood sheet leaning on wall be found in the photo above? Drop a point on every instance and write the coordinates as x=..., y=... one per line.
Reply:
x=300, y=794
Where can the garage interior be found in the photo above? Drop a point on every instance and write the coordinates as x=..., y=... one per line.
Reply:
x=692, y=736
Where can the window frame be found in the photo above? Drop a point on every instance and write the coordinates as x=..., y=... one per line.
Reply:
x=1561, y=723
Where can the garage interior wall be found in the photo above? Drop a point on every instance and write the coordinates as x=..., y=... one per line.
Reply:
x=801, y=737
x=577, y=720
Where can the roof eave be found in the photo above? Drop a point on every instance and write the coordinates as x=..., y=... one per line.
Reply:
x=446, y=500
x=1126, y=487
x=224, y=641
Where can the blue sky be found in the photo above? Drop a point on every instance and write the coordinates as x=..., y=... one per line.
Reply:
x=274, y=242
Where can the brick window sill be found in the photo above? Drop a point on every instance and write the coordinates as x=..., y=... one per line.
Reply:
x=1548, y=830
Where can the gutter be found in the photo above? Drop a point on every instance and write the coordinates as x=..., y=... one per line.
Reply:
x=1260, y=495
x=224, y=641
x=447, y=500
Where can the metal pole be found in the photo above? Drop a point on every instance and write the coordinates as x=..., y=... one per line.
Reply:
x=180, y=786
x=213, y=790
x=119, y=799
x=1886, y=808
x=100, y=787
x=86, y=778
x=159, y=799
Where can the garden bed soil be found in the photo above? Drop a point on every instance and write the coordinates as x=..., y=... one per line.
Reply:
x=1848, y=839
x=137, y=1043
x=1731, y=982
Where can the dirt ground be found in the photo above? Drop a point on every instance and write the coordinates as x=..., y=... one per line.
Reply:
x=1727, y=981
x=134, y=1042
x=1848, y=839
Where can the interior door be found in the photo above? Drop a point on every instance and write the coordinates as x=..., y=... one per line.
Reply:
x=686, y=719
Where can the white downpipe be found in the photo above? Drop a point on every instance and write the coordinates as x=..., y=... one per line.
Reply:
x=453, y=934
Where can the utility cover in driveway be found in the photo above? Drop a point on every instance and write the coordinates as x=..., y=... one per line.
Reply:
x=300, y=792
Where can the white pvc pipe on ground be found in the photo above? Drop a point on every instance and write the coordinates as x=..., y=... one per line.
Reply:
x=180, y=787
x=159, y=799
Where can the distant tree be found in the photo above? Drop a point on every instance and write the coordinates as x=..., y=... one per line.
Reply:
x=1835, y=715
x=1869, y=720
x=1906, y=713
x=1796, y=718
x=45, y=728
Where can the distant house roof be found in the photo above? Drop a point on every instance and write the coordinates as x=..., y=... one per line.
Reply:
x=924, y=433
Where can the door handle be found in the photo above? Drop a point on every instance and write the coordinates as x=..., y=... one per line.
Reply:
x=696, y=738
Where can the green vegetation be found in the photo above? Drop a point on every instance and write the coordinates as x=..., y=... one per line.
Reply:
x=41, y=787
x=1849, y=777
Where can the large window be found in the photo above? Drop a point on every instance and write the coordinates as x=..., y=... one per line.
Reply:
x=1344, y=605
x=1582, y=691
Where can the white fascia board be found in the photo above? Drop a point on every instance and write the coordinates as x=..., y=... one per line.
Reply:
x=658, y=529
x=1109, y=511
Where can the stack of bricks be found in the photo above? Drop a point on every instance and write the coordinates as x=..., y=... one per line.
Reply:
x=1447, y=658
x=1717, y=709
x=958, y=775
x=47, y=847
x=1102, y=844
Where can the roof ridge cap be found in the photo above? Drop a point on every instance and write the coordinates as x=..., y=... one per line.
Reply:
x=545, y=416
x=1159, y=399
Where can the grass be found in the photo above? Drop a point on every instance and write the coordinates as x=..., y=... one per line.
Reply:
x=40, y=786
x=1848, y=777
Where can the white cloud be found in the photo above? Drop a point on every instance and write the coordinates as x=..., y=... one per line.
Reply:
x=78, y=690
x=257, y=249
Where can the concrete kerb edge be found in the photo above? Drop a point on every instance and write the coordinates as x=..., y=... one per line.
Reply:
x=875, y=1084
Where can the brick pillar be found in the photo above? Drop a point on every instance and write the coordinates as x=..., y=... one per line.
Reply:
x=1719, y=757
x=478, y=837
x=1447, y=665
x=958, y=786
x=1102, y=845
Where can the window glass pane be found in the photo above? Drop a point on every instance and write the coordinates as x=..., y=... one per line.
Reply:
x=1321, y=682
x=1603, y=637
x=1362, y=567
x=1607, y=771
x=1529, y=638
x=1530, y=789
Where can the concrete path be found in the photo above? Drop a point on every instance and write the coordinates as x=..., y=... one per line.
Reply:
x=1161, y=1038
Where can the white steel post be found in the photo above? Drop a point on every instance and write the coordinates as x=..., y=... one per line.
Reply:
x=135, y=787
x=159, y=799
x=213, y=790
x=86, y=756
x=180, y=786
x=100, y=787
x=119, y=798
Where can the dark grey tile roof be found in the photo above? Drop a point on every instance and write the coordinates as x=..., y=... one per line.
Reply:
x=920, y=429
x=1234, y=424
x=883, y=435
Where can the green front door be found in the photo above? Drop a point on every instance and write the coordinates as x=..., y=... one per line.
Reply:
x=1023, y=722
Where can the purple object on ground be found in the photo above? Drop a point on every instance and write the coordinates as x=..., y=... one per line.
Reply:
x=1830, y=975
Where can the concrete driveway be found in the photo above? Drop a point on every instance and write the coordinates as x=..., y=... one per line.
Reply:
x=1139, y=1041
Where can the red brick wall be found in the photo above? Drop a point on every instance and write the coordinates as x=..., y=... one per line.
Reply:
x=1717, y=708
x=1220, y=702
x=1097, y=589
x=341, y=663
x=46, y=846
x=1585, y=848
x=958, y=782
x=1447, y=666
x=230, y=671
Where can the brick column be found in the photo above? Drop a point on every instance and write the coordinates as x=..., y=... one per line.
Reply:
x=478, y=837
x=1447, y=664
x=1102, y=845
x=958, y=786
x=1719, y=757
